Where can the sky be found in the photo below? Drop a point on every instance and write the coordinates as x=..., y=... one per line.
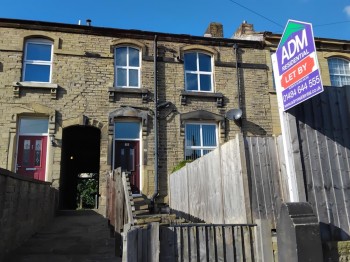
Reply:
x=330, y=18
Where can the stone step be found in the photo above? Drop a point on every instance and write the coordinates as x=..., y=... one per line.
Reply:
x=141, y=207
x=161, y=218
x=140, y=212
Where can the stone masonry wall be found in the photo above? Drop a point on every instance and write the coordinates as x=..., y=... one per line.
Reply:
x=336, y=251
x=25, y=206
x=83, y=67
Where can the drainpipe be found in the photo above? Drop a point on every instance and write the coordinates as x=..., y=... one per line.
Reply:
x=235, y=47
x=155, y=123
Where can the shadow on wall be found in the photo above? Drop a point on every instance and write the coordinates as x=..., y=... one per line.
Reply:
x=34, y=200
x=253, y=129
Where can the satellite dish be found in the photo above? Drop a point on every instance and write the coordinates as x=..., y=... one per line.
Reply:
x=234, y=114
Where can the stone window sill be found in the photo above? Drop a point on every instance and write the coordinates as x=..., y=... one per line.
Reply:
x=218, y=96
x=17, y=86
x=113, y=91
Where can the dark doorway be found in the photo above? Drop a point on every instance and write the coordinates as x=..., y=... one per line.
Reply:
x=80, y=154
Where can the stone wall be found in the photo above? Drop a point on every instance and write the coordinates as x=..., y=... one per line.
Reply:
x=336, y=251
x=25, y=206
x=83, y=69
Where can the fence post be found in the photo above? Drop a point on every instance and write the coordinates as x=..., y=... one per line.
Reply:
x=263, y=241
x=153, y=242
x=245, y=179
x=298, y=234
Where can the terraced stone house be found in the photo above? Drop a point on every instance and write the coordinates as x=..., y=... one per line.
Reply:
x=78, y=100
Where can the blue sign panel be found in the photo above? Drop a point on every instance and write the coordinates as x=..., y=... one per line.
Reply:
x=298, y=77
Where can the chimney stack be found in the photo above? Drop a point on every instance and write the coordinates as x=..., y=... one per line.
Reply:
x=214, y=30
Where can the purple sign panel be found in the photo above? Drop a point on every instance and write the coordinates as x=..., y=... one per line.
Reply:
x=298, y=73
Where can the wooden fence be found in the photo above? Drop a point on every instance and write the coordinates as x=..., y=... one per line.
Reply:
x=240, y=182
x=267, y=177
x=213, y=188
x=322, y=133
x=192, y=242
x=118, y=211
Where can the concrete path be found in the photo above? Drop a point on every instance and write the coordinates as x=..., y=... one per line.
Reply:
x=74, y=236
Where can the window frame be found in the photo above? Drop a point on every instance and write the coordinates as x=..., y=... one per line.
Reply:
x=38, y=41
x=198, y=73
x=125, y=138
x=23, y=133
x=338, y=76
x=127, y=67
x=201, y=147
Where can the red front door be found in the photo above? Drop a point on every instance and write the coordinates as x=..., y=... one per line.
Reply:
x=127, y=157
x=31, y=159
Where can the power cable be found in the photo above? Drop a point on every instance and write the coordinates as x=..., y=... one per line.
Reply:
x=256, y=13
x=268, y=19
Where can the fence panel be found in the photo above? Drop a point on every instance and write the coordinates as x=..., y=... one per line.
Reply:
x=211, y=188
x=203, y=242
x=323, y=125
x=264, y=172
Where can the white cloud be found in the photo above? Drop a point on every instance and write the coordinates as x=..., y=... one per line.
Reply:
x=347, y=10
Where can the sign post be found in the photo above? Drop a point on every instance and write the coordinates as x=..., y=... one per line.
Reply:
x=297, y=79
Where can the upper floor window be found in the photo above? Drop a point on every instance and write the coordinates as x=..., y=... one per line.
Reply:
x=198, y=72
x=200, y=139
x=339, y=71
x=127, y=67
x=37, y=61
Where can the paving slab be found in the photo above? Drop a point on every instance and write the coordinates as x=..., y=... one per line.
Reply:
x=74, y=236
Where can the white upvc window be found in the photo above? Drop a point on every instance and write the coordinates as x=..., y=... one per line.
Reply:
x=127, y=67
x=37, y=62
x=200, y=139
x=339, y=71
x=198, y=72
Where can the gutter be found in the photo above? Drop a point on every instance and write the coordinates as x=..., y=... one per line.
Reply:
x=235, y=46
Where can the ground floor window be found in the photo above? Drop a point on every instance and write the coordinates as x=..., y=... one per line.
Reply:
x=200, y=139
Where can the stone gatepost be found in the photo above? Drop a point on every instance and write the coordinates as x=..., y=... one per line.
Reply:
x=298, y=234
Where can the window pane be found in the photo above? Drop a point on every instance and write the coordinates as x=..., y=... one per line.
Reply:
x=121, y=77
x=26, y=153
x=34, y=126
x=206, y=152
x=37, y=51
x=204, y=62
x=37, y=156
x=131, y=162
x=120, y=59
x=209, y=135
x=127, y=130
x=37, y=73
x=134, y=57
x=133, y=77
x=193, y=135
x=345, y=80
x=339, y=70
x=191, y=82
x=192, y=154
x=191, y=61
x=205, y=82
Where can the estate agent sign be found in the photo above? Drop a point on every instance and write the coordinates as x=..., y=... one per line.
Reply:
x=296, y=71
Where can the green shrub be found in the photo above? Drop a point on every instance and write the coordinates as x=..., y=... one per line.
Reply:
x=180, y=165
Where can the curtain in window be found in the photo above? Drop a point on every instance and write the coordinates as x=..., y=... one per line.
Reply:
x=339, y=71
